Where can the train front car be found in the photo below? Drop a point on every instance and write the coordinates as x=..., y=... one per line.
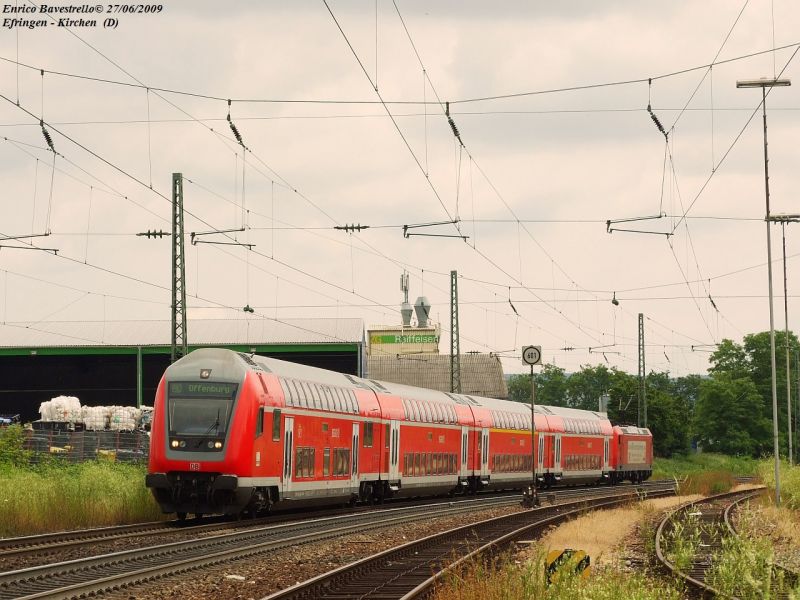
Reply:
x=632, y=454
x=198, y=447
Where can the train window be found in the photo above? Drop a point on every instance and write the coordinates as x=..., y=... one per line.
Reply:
x=276, y=425
x=367, y=435
x=304, y=462
x=405, y=465
x=323, y=399
x=417, y=463
x=260, y=421
x=295, y=393
x=323, y=394
x=314, y=399
x=341, y=461
x=288, y=390
x=326, y=462
x=324, y=427
x=386, y=436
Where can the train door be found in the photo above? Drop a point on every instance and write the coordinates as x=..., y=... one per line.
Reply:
x=557, y=452
x=484, y=452
x=540, y=455
x=288, y=453
x=464, y=471
x=394, y=450
x=354, y=464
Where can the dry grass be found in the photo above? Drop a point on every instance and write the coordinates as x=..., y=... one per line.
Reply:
x=600, y=533
x=708, y=483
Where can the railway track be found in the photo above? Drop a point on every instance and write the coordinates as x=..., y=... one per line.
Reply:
x=99, y=574
x=709, y=522
x=412, y=570
x=54, y=543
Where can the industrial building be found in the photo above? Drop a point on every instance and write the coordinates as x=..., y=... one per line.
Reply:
x=121, y=362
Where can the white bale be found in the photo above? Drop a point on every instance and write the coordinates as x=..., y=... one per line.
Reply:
x=122, y=418
x=95, y=417
x=65, y=409
x=46, y=411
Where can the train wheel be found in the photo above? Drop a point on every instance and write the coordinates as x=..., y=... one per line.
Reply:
x=181, y=516
x=198, y=516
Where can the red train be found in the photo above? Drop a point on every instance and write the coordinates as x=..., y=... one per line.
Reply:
x=234, y=433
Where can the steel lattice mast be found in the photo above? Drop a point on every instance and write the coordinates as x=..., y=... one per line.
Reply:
x=179, y=342
x=455, y=346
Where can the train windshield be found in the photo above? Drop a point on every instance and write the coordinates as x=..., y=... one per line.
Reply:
x=202, y=409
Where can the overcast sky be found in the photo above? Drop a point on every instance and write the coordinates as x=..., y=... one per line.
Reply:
x=532, y=187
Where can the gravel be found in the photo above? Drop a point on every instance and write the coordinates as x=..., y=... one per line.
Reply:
x=277, y=570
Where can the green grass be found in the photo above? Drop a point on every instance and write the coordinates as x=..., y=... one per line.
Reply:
x=790, y=481
x=479, y=581
x=683, y=466
x=55, y=495
x=704, y=474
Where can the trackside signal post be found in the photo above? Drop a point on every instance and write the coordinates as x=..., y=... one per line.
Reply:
x=532, y=355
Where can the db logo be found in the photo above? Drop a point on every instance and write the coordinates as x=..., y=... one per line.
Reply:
x=194, y=466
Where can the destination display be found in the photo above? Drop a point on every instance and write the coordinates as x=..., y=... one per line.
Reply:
x=196, y=389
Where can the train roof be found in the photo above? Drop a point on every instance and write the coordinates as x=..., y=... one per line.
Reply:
x=286, y=369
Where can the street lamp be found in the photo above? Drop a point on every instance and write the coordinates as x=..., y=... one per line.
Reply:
x=764, y=84
x=783, y=220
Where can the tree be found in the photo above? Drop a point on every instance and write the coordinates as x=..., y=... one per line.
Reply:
x=729, y=416
x=730, y=358
x=752, y=360
x=585, y=387
x=551, y=387
x=667, y=419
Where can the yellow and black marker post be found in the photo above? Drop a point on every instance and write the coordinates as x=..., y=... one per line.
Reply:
x=567, y=561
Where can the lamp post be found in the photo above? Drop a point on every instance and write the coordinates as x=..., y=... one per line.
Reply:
x=783, y=220
x=764, y=84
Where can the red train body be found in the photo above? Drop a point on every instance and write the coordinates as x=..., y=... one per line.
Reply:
x=235, y=433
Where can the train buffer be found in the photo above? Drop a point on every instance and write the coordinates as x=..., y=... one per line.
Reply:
x=566, y=562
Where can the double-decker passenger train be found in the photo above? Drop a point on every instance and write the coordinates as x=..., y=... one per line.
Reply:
x=234, y=433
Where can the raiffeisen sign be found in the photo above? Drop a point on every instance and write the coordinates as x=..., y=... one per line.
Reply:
x=404, y=340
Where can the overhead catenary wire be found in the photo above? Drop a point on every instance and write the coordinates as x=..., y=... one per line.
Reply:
x=334, y=101
x=273, y=182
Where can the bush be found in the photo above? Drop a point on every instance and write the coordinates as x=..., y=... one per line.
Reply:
x=56, y=496
x=12, y=446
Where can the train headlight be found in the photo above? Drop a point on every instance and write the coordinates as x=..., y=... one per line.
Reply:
x=183, y=444
x=210, y=444
x=217, y=445
x=174, y=443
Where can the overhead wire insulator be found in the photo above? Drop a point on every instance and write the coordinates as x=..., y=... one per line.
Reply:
x=652, y=114
x=656, y=121
x=452, y=123
x=235, y=131
x=47, y=137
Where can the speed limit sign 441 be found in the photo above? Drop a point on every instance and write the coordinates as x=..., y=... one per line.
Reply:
x=531, y=355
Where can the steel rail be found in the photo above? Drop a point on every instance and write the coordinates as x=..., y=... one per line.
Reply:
x=114, y=571
x=94, y=574
x=695, y=577
x=405, y=571
x=50, y=543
